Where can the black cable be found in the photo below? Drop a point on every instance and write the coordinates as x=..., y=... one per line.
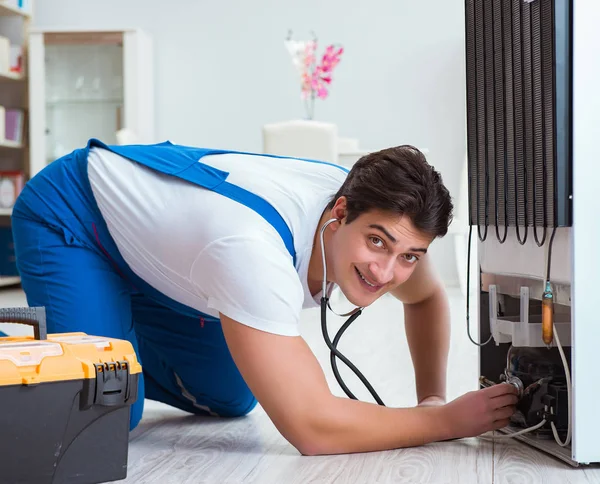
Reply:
x=335, y=353
x=550, y=254
x=468, y=291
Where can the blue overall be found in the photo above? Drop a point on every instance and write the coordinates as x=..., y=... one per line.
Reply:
x=69, y=263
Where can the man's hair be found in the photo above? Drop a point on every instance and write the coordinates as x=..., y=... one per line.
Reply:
x=398, y=180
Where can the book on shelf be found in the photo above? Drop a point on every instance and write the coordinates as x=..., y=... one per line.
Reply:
x=4, y=55
x=16, y=59
x=11, y=124
x=11, y=185
x=11, y=57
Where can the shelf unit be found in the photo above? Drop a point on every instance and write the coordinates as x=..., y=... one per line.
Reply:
x=14, y=94
x=11, y=76
x=88, y=84
x=13, y=145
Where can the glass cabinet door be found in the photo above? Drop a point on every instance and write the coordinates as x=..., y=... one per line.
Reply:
x=84, y=90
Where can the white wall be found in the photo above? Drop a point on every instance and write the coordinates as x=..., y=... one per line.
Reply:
x=222, y=71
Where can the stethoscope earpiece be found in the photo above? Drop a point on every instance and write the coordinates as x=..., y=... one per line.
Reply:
x=324, y=288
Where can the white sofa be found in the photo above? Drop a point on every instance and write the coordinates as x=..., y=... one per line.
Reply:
x=310, y=139
x=301, y=138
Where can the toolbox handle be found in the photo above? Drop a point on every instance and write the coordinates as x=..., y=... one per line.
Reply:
x=35, y=317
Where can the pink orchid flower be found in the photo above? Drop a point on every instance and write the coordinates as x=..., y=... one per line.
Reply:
x=315, y=77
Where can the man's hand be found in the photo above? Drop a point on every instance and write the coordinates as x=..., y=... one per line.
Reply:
x=480, y=411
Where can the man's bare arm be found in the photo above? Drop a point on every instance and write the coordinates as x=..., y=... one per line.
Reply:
x=427, y=326
x=290, y=385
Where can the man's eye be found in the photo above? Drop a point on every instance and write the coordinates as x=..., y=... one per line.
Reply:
x=410, y=258
x=377, y=242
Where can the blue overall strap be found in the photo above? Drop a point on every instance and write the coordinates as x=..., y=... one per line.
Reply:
x=183, y=162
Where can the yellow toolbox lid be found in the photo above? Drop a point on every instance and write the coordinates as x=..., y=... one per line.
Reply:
x=68, y=356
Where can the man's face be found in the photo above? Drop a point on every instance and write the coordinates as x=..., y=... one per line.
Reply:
x=373, y=255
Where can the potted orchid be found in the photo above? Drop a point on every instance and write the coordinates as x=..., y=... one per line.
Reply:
x=315, y=77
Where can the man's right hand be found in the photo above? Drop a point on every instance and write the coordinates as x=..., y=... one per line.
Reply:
x=480, y=411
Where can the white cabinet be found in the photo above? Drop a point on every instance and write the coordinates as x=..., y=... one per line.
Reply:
x=88, y=84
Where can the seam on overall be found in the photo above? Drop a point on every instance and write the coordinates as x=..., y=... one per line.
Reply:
x=188, y=396
x=49, y=309
x=200, y=162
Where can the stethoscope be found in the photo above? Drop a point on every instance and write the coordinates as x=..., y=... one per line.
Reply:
x=355, y=313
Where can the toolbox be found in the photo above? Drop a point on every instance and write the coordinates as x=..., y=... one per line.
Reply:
x=65, y=401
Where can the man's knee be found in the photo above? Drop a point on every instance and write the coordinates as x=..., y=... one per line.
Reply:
x=239, y=410
x=228, y=401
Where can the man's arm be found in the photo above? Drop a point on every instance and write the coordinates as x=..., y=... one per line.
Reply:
x=427, y=326
x=290, y=385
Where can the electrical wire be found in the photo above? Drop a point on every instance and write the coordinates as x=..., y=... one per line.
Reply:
x=508, y=365
x=549, y=258
x=469, y=291
x=515, y=434
x=569, y=403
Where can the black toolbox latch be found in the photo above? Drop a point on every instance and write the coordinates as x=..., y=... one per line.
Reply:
x=112, y=383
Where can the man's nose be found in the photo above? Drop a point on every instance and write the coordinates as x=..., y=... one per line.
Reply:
x=383, y=270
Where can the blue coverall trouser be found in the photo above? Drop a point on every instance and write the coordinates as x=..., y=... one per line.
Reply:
x=69, y=263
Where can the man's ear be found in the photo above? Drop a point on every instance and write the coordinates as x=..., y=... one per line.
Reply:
x=339, y=209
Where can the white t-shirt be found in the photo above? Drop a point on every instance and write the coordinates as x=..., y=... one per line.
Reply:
x=209, y=252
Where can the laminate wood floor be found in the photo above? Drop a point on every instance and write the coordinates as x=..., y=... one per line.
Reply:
x=172, y=447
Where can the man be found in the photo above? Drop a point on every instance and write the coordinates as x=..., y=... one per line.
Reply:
x=203, y=259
